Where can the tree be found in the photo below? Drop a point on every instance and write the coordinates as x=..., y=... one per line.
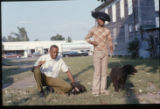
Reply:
x=21, y=35
x=153, y=46
x=69, y=39
x=57, y=37
x=2, y=48
x=102, y=0
x=11, y=38
x=36, y=39
x=4, y=39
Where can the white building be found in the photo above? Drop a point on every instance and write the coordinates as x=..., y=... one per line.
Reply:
x=29, y=47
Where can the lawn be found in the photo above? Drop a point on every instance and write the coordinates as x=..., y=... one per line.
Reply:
x=141, y=88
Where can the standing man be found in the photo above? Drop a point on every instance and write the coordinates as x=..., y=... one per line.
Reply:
x=46, y=71
x=102, y=41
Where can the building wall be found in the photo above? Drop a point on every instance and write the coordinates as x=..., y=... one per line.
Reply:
x=42, y=46
x=147, y=12
x=137, y=13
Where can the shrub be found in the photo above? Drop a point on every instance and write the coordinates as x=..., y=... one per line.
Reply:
x=133, y=48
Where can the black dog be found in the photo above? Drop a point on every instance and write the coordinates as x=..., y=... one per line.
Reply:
x=119, y=76
x=76, y=88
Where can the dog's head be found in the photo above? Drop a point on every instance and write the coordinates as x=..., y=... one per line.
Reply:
x=129, y=69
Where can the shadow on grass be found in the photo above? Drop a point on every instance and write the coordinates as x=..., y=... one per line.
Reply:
x=109, y=81
x=152, y=63
x=82, y=71
x=130, y=93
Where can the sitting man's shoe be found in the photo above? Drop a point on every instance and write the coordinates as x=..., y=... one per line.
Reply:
x=41, y=94
x=49, y=90
x=105, y=92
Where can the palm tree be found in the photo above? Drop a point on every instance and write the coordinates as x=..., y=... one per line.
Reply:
x=21, y=35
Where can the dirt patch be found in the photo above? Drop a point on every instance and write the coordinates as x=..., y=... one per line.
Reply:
x=149, y=98
x=26, y=82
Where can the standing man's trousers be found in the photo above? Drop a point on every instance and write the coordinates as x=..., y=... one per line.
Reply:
x=59, y=86
x=100, y=61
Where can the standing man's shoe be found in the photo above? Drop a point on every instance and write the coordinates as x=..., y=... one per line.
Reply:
x=105, y=92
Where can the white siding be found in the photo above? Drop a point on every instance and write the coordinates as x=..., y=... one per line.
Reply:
x=106, y=11
x=122, y=8
x=156, y=4
x=130, y=7
x=157, y=21
x=114, y=12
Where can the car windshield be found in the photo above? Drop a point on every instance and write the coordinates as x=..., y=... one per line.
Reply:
x=74, y=52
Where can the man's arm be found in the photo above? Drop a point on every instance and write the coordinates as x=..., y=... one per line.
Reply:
x=70, y=76
x=110, y=43
x=87, y=38
x=39, y=65
x=41, y=62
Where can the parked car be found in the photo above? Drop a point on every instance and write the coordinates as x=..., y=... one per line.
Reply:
x=35, y=54
x=12, y=55
x=74, y=53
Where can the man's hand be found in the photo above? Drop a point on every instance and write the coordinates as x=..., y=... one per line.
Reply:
x=94, y=43
x=111, y=50
x=41, y=62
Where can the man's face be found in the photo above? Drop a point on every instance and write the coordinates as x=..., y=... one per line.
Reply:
x=100, y=22
x=53, y=52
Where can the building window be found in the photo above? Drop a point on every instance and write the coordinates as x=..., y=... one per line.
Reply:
x=114, y=12
x=136, y=27
x=130, y=7
x=114, y=33
x=115, y=37
x=106, y=11
x=156, y=5
x=130, y=28
x=157, y=22
x=122, y=8
x=126, y=33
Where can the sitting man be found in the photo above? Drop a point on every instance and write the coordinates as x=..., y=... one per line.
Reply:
x=46, y=70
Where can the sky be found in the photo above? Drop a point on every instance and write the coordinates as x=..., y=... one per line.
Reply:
x=44, y=19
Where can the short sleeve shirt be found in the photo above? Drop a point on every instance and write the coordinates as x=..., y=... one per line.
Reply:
x=52, y=67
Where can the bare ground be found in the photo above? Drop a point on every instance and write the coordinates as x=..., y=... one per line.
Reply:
x=25, y=83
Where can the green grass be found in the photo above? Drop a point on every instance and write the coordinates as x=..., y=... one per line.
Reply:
x=147, y=79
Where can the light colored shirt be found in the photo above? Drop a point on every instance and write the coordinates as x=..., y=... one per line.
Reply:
x=52, y=67
x=102, y=36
